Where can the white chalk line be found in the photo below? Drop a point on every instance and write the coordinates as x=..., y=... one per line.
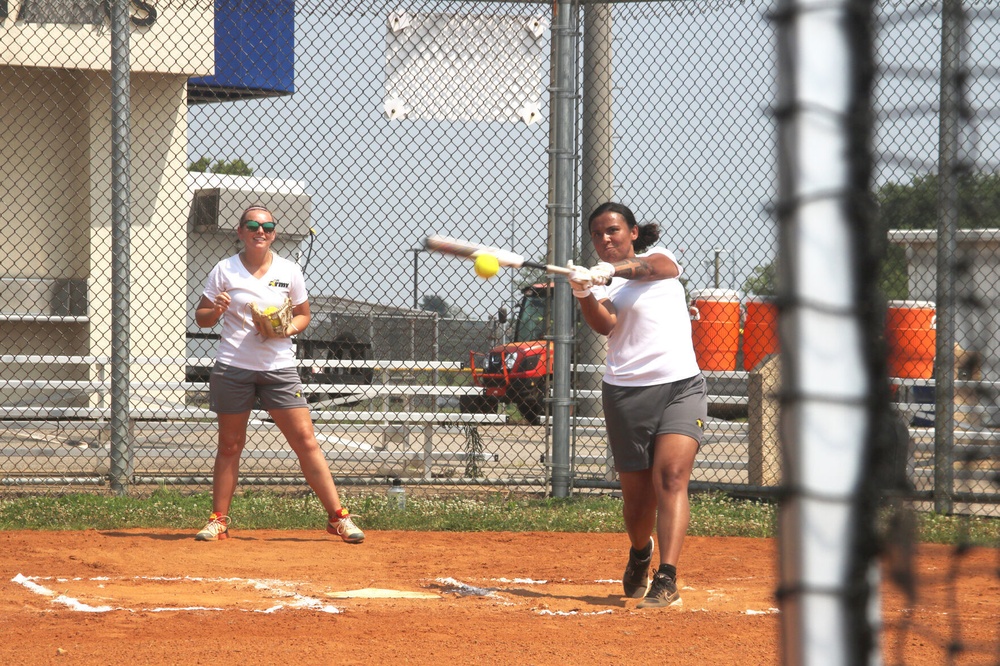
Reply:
x=295, y=600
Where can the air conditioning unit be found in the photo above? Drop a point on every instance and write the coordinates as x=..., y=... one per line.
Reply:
x=69, y=298
x=32, y=298
x=218, y=200
x=204, y=213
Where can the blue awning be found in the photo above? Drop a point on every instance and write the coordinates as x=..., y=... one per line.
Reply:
x=254, y=52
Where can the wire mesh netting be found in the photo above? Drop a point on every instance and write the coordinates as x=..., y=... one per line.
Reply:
x=365, y=127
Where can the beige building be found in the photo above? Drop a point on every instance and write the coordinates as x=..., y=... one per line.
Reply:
x=56, y=202
x=975, y=327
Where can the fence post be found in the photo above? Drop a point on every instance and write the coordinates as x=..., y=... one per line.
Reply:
x=121, y=463
x=561, y=220
x=764, y=449
x=949, y=165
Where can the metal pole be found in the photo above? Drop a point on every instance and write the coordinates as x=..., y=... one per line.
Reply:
x=121, y=462
x=563, y=95
x=512, y=297
x=597, y=120
x=416, y=304
x=596, y=172
x=952, y=29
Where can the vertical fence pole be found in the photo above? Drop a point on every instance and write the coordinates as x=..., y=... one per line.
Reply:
x=561, y=217
x=121, y=463
x=948, y=167
x=596, y=172
x=416, y=277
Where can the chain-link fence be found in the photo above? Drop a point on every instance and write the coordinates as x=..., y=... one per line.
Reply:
x=366, y=126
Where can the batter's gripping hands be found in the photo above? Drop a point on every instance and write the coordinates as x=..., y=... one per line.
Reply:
x=602, y=273
x=581, y=280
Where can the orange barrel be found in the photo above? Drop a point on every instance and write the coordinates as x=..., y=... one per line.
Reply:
x=760, y=330
x=910, y=333
x=715, y=328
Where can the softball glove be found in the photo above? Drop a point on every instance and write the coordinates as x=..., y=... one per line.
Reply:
x=272, y=322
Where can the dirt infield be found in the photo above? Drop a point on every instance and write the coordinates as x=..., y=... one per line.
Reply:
x=266, y=597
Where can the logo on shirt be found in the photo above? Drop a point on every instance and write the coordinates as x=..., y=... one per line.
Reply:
x=279, y=284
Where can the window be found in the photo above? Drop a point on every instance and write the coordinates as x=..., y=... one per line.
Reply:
x=67, y=12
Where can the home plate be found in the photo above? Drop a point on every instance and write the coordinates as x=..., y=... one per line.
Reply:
x=377, y=593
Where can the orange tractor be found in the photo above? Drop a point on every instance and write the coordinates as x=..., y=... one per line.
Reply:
x=517, y=371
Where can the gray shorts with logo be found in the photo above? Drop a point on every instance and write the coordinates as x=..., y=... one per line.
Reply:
x=635, y=415
x=237, y=390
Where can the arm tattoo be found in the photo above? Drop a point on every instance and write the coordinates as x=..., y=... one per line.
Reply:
x=635, y=268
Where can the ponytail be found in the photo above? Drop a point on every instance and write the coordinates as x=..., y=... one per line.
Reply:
x=648, y=234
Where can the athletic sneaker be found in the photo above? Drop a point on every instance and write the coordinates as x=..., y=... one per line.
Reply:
x=636, y=576
x=216, y=530
x=662, y=593
x=345, y=529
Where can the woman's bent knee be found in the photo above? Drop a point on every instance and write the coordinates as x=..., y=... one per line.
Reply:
x=231, y=447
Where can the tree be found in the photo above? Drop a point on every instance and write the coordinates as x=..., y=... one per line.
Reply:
x=526, y=277
x=434, y=303
x=200, y=166
x=894, y=277
x=235, y=167
x=912, y=205
x=761, y=283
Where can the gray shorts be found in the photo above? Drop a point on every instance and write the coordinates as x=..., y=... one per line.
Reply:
x=635, y=415
x=236, y=390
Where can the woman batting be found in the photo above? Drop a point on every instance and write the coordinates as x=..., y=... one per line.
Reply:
x=654, y=395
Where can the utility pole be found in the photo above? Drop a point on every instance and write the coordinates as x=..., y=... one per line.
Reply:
x=596, y=177
x=718, y=267
x=716, y=264
x=416, y=277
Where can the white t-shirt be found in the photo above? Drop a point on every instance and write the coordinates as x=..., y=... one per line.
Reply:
x=651, y=342
x=241, y=346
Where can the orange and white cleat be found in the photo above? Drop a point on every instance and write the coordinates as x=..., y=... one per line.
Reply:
x=217, y=529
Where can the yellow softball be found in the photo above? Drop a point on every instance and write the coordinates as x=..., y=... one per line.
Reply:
x=487, y=266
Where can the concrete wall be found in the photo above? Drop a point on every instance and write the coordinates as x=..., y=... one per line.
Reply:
x=55, y=160
x=157, y=239
x=180, y=39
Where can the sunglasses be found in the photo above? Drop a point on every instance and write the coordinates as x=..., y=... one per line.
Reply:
x=254, y=226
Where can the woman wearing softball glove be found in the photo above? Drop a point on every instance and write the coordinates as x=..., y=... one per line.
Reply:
x=654, y=395
x=261, y=300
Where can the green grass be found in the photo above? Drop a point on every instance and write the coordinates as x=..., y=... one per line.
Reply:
x=934, y=528
x=711, y=514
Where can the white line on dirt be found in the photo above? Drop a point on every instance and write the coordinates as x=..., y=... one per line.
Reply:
x=275, y=587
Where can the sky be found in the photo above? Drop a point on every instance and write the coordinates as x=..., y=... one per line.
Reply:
x=693, y=140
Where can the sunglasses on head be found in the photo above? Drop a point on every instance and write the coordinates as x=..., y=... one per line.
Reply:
x=254, y=226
